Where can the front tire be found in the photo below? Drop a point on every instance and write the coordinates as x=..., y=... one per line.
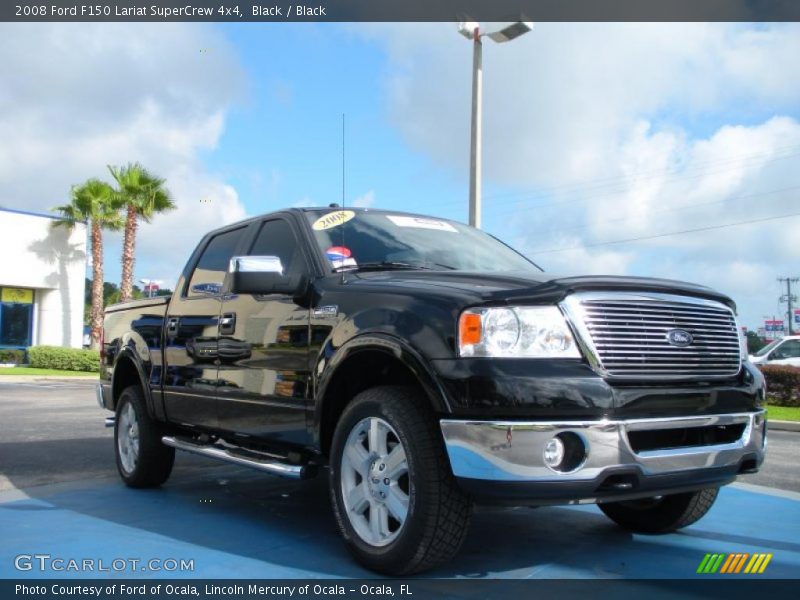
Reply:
x=662, y=514
x=142, y=460
x=396, y=501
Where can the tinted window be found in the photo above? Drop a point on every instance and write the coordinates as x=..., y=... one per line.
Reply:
x=276, y=238
x=209, y=273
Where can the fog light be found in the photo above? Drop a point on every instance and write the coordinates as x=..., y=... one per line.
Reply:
x=553, y=452
x=565, y=452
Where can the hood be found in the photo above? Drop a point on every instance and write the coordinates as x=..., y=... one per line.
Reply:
x=524, y=287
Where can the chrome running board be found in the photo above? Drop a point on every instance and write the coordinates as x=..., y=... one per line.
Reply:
x=240, y=456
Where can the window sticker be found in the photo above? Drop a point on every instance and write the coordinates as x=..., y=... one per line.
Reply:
x=332, y=219
x=340, y=257
x=421, y=223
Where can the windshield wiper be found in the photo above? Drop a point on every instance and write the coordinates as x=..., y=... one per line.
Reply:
x=384, y=265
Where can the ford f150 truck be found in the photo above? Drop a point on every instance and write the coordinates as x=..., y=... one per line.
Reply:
x=427, y=366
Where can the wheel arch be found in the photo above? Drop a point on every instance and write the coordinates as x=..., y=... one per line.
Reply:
x=129, y=371
x=364, y=362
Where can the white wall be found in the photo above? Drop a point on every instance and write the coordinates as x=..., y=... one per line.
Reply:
x=53, y=262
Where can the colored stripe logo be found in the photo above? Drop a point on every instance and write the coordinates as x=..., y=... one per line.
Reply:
x=751, y=564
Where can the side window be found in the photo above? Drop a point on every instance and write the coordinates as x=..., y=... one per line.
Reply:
x=789, y=349
x=209, y=273
x=276, y=238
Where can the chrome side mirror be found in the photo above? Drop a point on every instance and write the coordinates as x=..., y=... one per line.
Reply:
x=255, y=264
x=261, y=275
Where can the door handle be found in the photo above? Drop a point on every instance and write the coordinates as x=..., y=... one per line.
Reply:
x=172, y=326
x=227, y=323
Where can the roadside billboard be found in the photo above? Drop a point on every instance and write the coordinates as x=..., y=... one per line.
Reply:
x=774, y=329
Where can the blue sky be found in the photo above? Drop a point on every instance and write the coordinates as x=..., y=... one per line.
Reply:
x=592, y=133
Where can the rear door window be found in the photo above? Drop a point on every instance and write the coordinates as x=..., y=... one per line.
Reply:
x=209, y=272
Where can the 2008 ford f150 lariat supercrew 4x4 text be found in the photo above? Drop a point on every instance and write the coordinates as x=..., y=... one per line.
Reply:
x=427, y=366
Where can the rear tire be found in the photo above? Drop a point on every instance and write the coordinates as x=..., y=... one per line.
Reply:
x=661, y=514
x=404, y=511
x=142, y=460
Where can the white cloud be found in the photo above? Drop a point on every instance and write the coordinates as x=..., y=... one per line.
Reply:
x=585, y=261
x=738, y=174
x=76, y=97
x=365, y=200
x=559, y=100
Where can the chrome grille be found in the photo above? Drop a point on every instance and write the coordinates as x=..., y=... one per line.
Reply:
x=628, y=335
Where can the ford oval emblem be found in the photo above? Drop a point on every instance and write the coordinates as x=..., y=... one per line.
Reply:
x=679, y=337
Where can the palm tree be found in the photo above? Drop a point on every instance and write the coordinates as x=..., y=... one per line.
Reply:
x=94, y=201
x=143, y=195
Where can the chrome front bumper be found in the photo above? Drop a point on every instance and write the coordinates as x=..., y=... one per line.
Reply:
x=513, y=451
x=100, y=394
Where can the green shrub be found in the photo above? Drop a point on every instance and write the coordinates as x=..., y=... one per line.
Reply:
x=64, y=359
x=783, y=385
x=11, y=356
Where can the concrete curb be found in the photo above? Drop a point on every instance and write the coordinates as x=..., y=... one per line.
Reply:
x=45, y=378
x=783, y=425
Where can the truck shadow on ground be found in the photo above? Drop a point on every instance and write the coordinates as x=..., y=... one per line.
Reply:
x=287, y=526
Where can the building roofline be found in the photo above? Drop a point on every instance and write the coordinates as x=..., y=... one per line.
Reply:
x=33, y=214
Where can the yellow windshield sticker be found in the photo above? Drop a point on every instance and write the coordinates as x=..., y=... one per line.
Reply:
x=333, y=219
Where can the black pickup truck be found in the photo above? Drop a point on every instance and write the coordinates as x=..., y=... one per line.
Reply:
x=427, y=366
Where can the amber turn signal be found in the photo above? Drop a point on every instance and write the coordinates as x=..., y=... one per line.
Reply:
x=469, y=329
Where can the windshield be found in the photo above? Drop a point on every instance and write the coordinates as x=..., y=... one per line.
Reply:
x=768, y=348
x=377, y=240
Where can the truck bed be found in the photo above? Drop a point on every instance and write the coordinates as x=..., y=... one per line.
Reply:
x=138, y=304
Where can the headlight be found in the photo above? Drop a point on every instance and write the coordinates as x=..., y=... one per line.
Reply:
x=516, y=332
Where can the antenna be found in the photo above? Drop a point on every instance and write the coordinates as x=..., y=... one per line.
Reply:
x=343, y=160
x=343, y=195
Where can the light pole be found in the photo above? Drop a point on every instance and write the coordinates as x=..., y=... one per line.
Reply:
x=471, y=31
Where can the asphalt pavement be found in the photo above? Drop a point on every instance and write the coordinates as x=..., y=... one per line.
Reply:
x=54, y=432
x=59, y=493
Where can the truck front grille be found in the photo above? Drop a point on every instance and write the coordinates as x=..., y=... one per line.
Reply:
x=635, y=335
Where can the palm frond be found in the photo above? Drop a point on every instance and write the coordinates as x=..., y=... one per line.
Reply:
x=141, y=189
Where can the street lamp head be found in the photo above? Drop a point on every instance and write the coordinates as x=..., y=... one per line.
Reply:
x=468, y=28
x=511, y=32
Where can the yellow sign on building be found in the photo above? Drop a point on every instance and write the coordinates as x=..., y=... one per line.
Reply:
x=17, y=295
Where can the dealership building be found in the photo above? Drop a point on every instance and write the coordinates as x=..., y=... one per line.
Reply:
x=42, y=280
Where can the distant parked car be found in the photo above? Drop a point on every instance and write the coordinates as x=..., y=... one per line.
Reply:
x=785, y=351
